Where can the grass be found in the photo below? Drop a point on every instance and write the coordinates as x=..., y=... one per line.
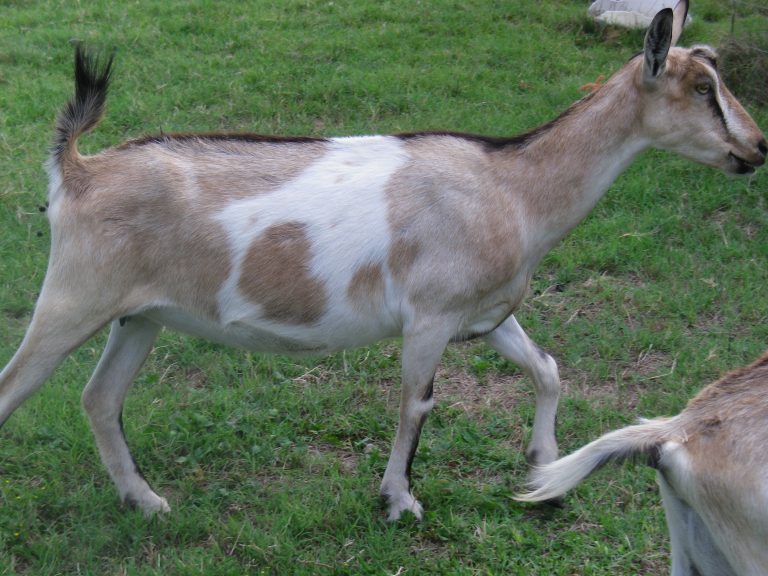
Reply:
x=745, y=54
x=272, y=465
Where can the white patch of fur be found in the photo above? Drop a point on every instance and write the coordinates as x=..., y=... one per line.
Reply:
x=736, y=129
x=340, y=198
x=675, y=461
x=55, y=187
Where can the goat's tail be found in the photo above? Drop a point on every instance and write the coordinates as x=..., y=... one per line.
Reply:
x=86, y=107
x=640, y=440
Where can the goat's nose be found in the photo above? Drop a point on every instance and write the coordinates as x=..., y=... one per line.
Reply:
x=759, y=157
x=762, y=146
x=762, y=151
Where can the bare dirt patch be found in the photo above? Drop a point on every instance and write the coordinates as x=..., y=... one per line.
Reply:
x=457, y=387
x=320, y=454
x=650, y=365
x=627, y=383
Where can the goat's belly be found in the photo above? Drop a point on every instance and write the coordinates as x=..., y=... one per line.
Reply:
x=484, y=323
x=260, y=336
x=492, y=311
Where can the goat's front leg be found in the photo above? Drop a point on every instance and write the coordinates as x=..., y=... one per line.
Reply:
x=421, y=354
x=513, y=343
x=128, y=346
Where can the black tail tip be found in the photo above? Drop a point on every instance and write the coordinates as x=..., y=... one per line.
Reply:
x=83, y=111
x=92, y=72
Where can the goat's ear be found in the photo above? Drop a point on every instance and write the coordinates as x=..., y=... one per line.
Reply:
x=658, y=40
x=680, y=13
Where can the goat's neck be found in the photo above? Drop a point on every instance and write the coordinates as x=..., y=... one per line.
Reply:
x=568, y=166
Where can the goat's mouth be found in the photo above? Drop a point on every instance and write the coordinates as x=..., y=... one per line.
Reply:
x=738, y=165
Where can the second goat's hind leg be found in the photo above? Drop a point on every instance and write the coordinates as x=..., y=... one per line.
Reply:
x=513, y=343
x=128, y=346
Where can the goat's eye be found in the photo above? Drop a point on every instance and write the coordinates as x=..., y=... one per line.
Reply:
x=704, y=88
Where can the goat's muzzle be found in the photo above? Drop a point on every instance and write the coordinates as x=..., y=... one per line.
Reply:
x=746, y=166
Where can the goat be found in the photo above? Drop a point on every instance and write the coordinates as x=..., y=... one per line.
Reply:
x=712, y=470
x=312, y=245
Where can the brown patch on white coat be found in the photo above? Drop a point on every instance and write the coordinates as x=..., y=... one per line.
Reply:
x=301, y=245
x=276, y=275
x=366, y=289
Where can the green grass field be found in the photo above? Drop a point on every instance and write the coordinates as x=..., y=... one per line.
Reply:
x=272, y=465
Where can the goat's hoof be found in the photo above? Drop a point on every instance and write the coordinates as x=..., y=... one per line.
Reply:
x=558, y=503
x=150, y=504
x=403, y=503
x=536, y=457
x=159, y=507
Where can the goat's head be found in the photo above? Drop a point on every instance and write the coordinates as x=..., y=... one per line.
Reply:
x=688, y=108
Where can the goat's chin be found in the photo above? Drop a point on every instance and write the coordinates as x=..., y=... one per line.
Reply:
x=737, y=166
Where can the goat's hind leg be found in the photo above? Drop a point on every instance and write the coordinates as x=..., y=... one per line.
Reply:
x=513, y=343
x=59, y=325
x=130, y=341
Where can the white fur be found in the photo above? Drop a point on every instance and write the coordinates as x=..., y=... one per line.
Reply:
x=345, y=234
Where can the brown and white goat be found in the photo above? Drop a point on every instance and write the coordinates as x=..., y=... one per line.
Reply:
x=311, y=245
x=712, y=468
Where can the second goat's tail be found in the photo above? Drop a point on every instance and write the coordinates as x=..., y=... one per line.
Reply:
x=552, y=480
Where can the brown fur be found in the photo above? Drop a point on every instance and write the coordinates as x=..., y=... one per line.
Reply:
x=402, y=256
x=227, y=170
x=686, y=74
x=366, y=289
x=152, y=233
x=741, y=387
x=76, y=175
x=718, y=421
x=157, y=230
x=451, y=219
x=276, y=275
